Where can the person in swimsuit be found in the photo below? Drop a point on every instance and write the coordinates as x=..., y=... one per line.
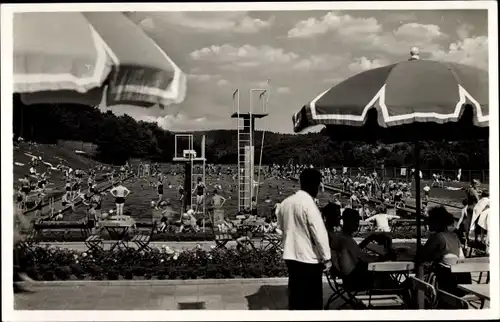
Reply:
x=20, y=199
x=200, y=193
x=75, y=189
x=472, y=197
x=120, y=193
x=159, y=190
x=25, y=187
x=39, y=204
x=217, y=202
x=42, y=182
x=92, y=217
x=181, y=192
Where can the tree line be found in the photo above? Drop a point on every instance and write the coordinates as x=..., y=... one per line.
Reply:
x=120, y=138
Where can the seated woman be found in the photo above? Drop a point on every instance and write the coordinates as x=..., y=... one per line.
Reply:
x=348, y=259
x=443, y=247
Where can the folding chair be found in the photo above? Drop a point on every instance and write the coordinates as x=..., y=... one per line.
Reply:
x=142, y=239
x=429, y=291
x=449, y=301
x=94, y=243
x=447, y=281
x=221, y=240
x=273, y=242
x=339, y=291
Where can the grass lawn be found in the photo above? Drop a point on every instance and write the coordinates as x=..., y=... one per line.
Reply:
x=138, y=202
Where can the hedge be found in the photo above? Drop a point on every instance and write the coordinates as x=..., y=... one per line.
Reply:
x=50, y=263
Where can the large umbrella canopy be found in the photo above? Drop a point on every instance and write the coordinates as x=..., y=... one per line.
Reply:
x=71, y=57
x=416, y=99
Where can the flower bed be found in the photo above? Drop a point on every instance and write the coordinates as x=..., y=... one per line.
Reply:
x=51, y=263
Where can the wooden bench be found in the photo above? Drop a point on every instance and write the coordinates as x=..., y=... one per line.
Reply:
x=50, y=227
x=94, y=243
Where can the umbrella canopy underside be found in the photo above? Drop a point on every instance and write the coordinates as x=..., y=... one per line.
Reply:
x=76, y=57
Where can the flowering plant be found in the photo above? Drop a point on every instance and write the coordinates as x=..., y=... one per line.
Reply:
x=51, y=263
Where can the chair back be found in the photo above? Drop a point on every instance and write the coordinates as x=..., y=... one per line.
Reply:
x=449, y=301
x=428, y=289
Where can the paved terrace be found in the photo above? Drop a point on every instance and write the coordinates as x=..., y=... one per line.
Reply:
x=249, y=294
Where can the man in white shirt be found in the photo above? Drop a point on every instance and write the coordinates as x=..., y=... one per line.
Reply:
x=120, y=193
x=381, y=220
x=306, y=249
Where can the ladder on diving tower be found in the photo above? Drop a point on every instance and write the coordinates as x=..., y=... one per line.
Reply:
x=246, y=150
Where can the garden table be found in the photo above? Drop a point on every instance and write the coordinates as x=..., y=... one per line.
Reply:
x=470, y=267
x=118, y=230
x=406, y=252
x=397, y=271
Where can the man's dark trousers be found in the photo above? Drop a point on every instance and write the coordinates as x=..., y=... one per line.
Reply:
x=305, y=286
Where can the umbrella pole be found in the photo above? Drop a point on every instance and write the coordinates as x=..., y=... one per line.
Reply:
x=418, y=203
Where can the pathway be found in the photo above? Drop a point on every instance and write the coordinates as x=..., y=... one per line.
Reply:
x=262, y=294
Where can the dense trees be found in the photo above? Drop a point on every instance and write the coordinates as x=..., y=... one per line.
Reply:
x=120, y=138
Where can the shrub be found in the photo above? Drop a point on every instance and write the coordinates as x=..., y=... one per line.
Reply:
x=49, y=263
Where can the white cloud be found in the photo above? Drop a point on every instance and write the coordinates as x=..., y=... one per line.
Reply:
x=345, y=25
x=180, y=121
x=366, y=34
x=426, y=37
x=361, y=64
x=238, y=22
x=332, y=81
x=203, y=77
x=322, y=62
x=283, y=90
x=222, y=82
x=260, y=84
x=246, y=56
x=415, y=30
x=464, y=30
x=470, y=51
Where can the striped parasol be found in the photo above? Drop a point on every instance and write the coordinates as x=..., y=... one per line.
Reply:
x=409, y=101
x=418, y=97
x=72, y=57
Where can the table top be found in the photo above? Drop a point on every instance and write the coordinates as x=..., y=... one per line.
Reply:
x=475, y=260
x=480, y=290
x=470, y=267
x=403, y=252
x=117, y=223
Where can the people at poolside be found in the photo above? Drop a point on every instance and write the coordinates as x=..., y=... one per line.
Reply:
x=188, y=221
x=200, y=193
x=159, y=190
x=217, y=203
x=120, y=193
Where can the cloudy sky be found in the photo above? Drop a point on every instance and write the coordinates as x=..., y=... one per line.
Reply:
x=303, y=53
